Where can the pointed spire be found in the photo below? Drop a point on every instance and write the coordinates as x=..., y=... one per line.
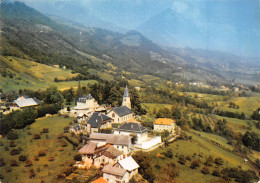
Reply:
x=126, y=94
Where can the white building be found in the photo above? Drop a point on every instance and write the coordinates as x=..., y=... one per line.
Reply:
x=162, y=124
x=85, y=105
x=98, y=121
x=130, y=128
x=120, y=114
x=126, y=99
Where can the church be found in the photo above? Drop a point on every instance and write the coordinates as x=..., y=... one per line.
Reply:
x=123, y=113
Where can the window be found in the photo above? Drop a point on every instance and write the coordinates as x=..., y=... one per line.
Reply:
x=113, y=115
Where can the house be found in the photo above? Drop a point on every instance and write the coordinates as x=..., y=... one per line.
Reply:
x=120, y=114
x=162, y=124
x=85, y=104
x=56, y=66
x=100, y=180
x=98, y=121
x=99, y=156
x=24, y=101
x=119, y=141
x=130, y=128
x=81, y=117
x=123, y=171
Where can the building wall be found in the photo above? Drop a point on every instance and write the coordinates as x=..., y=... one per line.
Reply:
x=161, y=128
x=125, y=149
x=116, y=179
x=140, y=136
x=118, y=119
x=126, y=102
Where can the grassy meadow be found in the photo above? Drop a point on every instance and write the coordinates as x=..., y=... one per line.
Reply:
x=44, y=169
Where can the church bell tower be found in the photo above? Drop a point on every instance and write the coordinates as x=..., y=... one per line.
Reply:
x=126, y=99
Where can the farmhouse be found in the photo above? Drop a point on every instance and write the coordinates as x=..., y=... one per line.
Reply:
x=24, y=101
x=131, y=128
x=120, y=142
x=99, y=156
x=120, y=114
x=98, y=121
x=162, y=124
x=123, y=171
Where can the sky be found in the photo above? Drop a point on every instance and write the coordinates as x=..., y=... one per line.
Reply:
x=236, y=21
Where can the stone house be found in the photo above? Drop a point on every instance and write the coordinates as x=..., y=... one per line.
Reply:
x=98, y=121
x=162, y=124
x=120, y=114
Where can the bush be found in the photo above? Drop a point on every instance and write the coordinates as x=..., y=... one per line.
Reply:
x=32, y=173
x=66, y=129
x=36, y=136
x=195, y=164
x=36, y=158
x=182, y=160
x=205, y=170
x=12, y=135
x=168, y=154
x=219, y=161
x=2, y=162
x=13, y=163
x=216, y=173
x=63, y=144
x=45, y=130
x=42, y=153
x=22, y=158
x=60, y=136
x=29, y=133
x=12, y=144
x=51, y=158
x=6, y=148
x=15, y=152
x=28, y=163
x=77, y=157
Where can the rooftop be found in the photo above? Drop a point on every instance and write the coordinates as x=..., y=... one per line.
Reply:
x=111, y=138
x=114, y=170
x=26, y=102
x=132, y=127
x=126, y=94
x=100, y=180
x=96, y=119
x=88, y=149
x=129, y=163
x=84, y=98
x=122, y=111
x=163, y=121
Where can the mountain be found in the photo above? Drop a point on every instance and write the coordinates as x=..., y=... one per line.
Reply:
x=74, y=11
x=229, y=26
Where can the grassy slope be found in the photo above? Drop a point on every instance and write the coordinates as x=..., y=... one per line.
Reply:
x=31, y=147
x=32, y=75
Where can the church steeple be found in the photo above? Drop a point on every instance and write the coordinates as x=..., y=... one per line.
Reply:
x=126, y=99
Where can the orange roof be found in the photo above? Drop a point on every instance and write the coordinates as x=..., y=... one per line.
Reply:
x=100, y=180
x=132, y=120
x=163, y=121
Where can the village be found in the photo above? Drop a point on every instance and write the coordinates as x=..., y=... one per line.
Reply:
x=109, y=135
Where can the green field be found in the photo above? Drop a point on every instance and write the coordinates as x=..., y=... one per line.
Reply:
x=246, y=105
x=47, y=170
x=32, y=75
x=199, y=144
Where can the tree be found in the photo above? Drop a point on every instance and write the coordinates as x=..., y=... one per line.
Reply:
x=53, y=96
x=144, y=161
x=114, y=97
x=195, y=164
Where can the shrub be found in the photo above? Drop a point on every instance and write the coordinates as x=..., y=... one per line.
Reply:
x=22, y=158
x=195, y=164
x=6, y=148
x=42, y=153
x=28, y=163
x=29, y=133
x=63, y=144
x=36, y=136
x=36, y=158
x=13, y=163
x=182, y=160
x=60, y=136
x=12, y=135
x=168, y=153
x=12, y=144
x=66, y=129
x=205, y=170
x=216, y=173
x=32, y=173
x=219, y=161
x=2, y=162
x=77, y=157
x=51, y=158
x=15, y=152
x=45, y=130
x=1, y=144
